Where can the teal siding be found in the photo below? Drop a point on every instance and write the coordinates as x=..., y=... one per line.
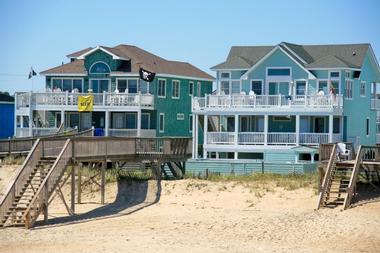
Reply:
x=279, y=156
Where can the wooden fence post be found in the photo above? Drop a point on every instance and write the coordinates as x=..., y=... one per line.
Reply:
x=102, y=186
x=79, y=175
x=72, y=189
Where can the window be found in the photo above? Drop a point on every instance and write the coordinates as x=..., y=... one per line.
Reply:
x=144, y=87
x=145, y=121
x=300, y=88
x=99, y=85
x=334, y=74
x=100, y=68
x=162, y=122
x=66, y=84
x=175, y=89
x=335, y=85
x=225, y=75
x=190, y=123
x=161, y=88
x=225, y=87
x=131, y=121
x=279, y=72
x=362, y=89
x=281, y=118
x=257, y=87
x=323, y=86
x=347, y=74
x=127, y=85
x=235, y=87
x=199, y=94
x=348, y=93
x=304, y=157
x=336, y=125
x=191, y=88
x=367, y=126
x=180, y=116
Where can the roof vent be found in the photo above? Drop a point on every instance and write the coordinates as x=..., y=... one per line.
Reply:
x=353, y=53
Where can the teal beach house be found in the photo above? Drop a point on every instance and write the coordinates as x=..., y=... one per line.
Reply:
x=123, y=103
x=274, y=105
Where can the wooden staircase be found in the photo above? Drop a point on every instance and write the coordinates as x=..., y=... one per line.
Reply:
x=339, y=180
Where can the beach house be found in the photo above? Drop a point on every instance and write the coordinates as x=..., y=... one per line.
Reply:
x=274, y=105
x=123, y=104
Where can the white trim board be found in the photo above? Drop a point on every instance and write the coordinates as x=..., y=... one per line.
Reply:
x=245, y=75
x=114, y=56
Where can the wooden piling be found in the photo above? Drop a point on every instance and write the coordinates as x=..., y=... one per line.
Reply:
x=103, y=181
x=73, y=189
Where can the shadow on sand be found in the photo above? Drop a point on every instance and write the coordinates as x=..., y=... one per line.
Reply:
x=366, y=193
x=132, y=196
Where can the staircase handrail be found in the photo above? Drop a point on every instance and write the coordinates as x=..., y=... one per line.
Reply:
x=354, y=175
x=40, y=196
x=327, y=176
x=20, y=178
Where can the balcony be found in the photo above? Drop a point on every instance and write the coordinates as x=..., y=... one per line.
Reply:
x=267, y=103
x=375, y=104
x=273, y=138
x=61, y=100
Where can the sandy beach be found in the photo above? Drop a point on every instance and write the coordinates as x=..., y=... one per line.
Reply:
x=197, y=216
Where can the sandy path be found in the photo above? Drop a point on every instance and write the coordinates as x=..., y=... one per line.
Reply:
x=201, y=216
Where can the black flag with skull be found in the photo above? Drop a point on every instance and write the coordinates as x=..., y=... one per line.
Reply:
x=146, y=75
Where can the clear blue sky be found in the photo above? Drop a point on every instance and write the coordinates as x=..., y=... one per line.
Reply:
x=41, y=33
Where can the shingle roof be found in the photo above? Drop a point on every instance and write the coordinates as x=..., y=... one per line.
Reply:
x=79, y=53
x=139, y=58
x=74, y=67
x=311, y=56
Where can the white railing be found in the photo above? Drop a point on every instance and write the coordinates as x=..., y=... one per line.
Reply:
x=220, y=138
x=22, y=132
x=314, y=138
x=266, y=101
x=251, y=138
x=375, y=104
x=71, y=99
x=281, y=138
x=44, y=131
x=337, y=138
x=145, y=133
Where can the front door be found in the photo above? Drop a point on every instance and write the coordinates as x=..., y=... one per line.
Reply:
x=279, y=88
x=86, y=120
x=319, y=125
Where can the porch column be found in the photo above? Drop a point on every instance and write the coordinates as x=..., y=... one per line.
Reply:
x=31, y=123
x=107, y=123
x=266, y=129
x=331, y=128
x=63, y=119
x=236, y=134
x=139, y=123
x=297, y=130
x=196, y=135
x=205, y=136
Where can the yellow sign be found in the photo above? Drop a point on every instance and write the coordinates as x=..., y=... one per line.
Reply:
x=85, y=103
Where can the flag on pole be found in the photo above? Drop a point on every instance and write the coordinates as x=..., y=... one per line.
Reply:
x=32, y=73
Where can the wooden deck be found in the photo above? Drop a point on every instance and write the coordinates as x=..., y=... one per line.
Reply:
x=339, y=177
x=42, y=173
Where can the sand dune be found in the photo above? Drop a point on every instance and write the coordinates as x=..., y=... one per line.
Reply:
x=200, y=216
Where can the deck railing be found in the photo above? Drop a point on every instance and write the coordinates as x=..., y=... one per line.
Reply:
x=375, y=104
x=266, y=101
x=273, y=138
x=145, y=133
x=71, y=99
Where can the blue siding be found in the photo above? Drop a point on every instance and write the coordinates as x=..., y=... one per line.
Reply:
x=7, y=114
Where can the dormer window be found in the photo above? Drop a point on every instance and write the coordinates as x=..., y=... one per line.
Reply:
x=100, y=68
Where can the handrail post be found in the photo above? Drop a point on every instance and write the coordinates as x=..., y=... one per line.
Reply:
x=104, y=97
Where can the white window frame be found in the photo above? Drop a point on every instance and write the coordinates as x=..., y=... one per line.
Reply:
x=163, y=122
x=190, y=123
x=257, y=80
x=144, y=113
x=199, y=91
x=225, y=72
x=363, y=91
x=180, y=116
x=349, y=95
x=347, y=74
x=109, y=69
x=191, y=89
x=179, y=89
x=99, y=79
x=280, y=77
x=335, y=79
x=295, y=86
x=127, y=79
x=70, y=78
x=323, y=80
x=158, y=87
x=235, y=80
x=224, y=79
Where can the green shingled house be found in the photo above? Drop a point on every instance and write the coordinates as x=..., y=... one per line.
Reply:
x=124, y=104
x=276, y=104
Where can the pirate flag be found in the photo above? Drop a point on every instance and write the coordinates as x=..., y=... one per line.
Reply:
x=31, y=73
x=146, y=75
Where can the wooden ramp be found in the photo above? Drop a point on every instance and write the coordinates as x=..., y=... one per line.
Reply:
x=41, y=175
x=340, y=176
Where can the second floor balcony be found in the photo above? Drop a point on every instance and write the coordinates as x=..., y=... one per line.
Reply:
x=47, y=100
x=267, y=103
